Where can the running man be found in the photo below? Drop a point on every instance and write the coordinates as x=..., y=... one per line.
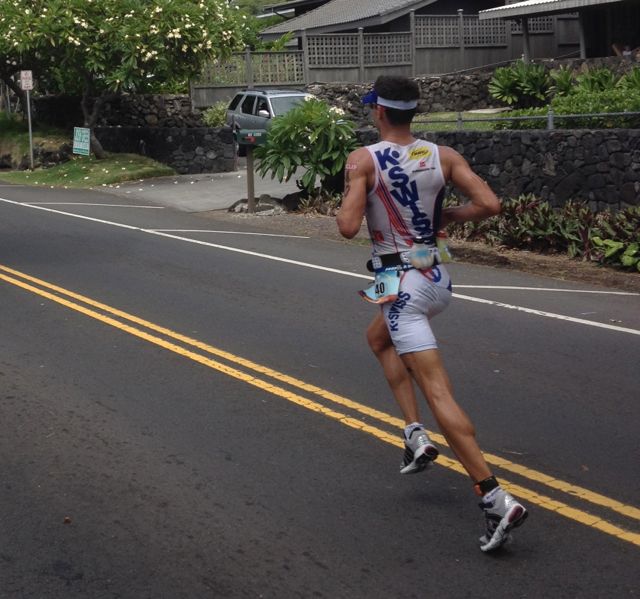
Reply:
x=399, y=184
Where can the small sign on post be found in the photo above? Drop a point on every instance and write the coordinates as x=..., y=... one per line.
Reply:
x=81, y=141
x=26, y=80
x=26, y=83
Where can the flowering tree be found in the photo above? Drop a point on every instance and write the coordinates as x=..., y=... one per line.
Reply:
x=96, y=48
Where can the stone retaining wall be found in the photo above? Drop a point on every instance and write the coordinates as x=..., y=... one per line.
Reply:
x=601, y=167
x=144, y=110
x=195, y=150
x=151, y=111
x=455, y=92
x=439, y=94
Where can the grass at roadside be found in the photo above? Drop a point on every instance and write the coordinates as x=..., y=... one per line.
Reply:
x=80, y=171
x=87, y=171
x=14, y=136
x=447, y=121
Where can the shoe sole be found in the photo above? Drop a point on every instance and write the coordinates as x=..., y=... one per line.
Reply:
x=421, y=462
x=516, y=518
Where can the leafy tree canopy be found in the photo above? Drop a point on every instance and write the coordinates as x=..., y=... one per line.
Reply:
x=115, y=45
x=98, y=47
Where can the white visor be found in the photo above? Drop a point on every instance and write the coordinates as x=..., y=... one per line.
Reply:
x=398, y=104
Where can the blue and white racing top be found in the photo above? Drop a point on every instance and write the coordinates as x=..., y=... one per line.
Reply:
x=406, y=200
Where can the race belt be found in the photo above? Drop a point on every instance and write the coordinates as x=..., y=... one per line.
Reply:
x=399, y=261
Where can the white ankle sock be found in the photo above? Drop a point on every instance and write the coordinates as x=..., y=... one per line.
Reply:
x=490, y=496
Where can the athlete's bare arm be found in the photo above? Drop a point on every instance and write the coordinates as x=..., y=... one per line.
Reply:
x=483, y=202
x=358, y=178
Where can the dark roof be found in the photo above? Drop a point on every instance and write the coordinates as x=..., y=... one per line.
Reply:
x=538, y=7
x=346, y=14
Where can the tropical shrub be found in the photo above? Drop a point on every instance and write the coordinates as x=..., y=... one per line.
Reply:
x=526, y=222
x=578, y=227
x=618, y=253
x=312, y=136
x=630, y=80
x=583, y=101
x=523, y=85
x=596, y=80
x=504, y=86
x=529, y=223
x=563, y=81
x=216, y=115
x=534, y=84
x=618, y=238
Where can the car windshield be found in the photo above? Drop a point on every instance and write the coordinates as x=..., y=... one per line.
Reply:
x=282, y=104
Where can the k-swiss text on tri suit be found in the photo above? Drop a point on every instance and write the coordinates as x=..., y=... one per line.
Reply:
x=405, y=203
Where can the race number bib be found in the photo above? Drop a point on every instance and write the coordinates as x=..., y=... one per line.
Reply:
x=384, y=288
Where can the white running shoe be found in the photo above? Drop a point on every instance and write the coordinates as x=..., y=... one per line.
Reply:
x=419, y=452
x=502, y=513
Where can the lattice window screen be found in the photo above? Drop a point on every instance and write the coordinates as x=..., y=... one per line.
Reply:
x=537, y=25
x=437, y=31
x=333, y=50
x=492, y=32
x=277, y=67
x=387, y=48
x=442, y=31
x=231, y=72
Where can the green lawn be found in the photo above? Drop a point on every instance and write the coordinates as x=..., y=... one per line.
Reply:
x=87, y=171
x=14, y=136
x=80, y=171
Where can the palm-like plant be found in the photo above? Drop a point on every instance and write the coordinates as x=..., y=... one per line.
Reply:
x=630, y=80
x=597, y=80
x=563, y=81
x=504, y=86
x=523, y=85
x=534, y=83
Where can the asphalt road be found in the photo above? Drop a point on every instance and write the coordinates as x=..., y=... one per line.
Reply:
x=194, y=413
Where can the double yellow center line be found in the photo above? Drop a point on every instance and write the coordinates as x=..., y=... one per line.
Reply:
x=262, y=377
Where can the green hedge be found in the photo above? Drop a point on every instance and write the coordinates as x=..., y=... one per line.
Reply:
x=594, y=91
x=583, y=102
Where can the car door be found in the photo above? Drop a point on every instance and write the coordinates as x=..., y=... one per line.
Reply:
x=262, y=105
x=247, y=118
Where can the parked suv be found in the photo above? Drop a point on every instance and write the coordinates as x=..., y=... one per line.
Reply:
x=253, y=108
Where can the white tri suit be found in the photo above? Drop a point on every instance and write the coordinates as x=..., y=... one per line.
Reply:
x=406, y=204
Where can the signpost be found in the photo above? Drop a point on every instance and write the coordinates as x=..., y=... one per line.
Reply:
x=26, y=83
x=81, y=141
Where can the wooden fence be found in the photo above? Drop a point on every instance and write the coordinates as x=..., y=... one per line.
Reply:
x=434, y=44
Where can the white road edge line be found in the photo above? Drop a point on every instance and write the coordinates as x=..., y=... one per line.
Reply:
x=327, y=269
x=548, y=314
x=562, y=290
x=90, y=204
x=228, y=233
